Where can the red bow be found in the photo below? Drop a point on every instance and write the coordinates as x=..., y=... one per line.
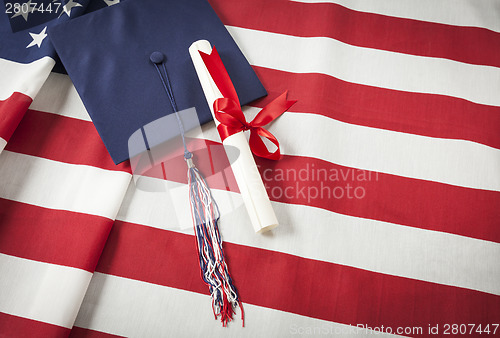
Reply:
x=228, y=112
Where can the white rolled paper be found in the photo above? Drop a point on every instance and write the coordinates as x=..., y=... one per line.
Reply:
x=245, y=170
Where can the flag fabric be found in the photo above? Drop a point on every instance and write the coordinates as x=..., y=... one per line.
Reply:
x=388, y=192
x=26, y=55
x=60, y=193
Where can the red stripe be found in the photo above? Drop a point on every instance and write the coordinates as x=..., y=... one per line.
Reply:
x=52, y=236
x=372, y=195
x=78, y=332
x=415, y=113
x=11, y=112
x=152, y=255
x=63, y=139
x=14, y=326
x=289, y=283
x=60, y=138
x=465, y=44
x=385, y=197
x=428, y=205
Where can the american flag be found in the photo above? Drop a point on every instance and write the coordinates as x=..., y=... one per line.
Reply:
x=387, y=192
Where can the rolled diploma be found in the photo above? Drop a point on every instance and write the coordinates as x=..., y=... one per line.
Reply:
x=243, y=164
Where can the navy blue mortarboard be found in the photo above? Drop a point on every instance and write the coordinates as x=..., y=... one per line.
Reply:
x=107, y=55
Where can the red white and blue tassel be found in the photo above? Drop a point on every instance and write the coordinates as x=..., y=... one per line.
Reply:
x=214, y=271
x=205, y=214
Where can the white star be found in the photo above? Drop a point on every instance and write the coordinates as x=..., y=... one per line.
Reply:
x=25, y=10
x=111, y=2
x=37, y=38
x=69, y=6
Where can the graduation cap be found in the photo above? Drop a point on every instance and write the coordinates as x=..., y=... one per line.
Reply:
x=107, y=56
x=131, y=65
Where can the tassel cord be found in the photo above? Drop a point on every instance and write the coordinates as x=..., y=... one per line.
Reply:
x=205, y=213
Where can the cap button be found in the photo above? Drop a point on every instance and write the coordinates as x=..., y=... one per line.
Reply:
x=157, y=57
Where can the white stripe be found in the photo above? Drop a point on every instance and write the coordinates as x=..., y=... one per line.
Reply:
x=25, y=78
x=158, y=203
x=132, y=308
x=59, y=96
x=58, y=185
x=327, y=236
x=3, y=143
x=480, y=84
x=457, y=162
x=40, y=291
x=476, y=13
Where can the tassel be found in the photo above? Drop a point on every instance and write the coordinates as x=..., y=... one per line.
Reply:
x=214, y=271
x=205, y=214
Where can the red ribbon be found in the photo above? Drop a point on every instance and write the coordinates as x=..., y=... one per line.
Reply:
x=227, y=110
